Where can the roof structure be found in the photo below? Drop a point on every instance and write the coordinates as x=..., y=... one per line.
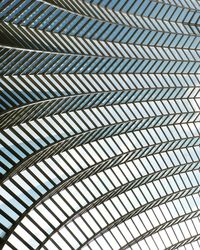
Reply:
x=100, y=124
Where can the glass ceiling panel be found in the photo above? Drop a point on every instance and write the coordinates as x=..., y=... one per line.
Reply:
x=99, y=125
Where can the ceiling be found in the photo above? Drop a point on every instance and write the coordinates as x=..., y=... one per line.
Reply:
x=100, y=124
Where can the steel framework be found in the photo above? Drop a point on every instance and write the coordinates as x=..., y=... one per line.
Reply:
x=100, y=124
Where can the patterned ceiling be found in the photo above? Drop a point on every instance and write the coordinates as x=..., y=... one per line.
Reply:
x=100, y=124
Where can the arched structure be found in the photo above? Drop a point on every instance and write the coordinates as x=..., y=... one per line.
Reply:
x=100, y=124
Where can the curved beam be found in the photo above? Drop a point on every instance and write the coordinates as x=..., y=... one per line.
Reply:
x=120, y=21
x=80, y=65
x=30, y=112
x=84, y=174
x=69, y=143
x=121, y=189
x=122, y=51
x=176, y=4
x=67, y=53
x=161, y=200
x=184, y=242
x=190, y=215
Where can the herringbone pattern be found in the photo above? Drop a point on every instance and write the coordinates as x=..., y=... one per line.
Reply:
x=100, y=124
